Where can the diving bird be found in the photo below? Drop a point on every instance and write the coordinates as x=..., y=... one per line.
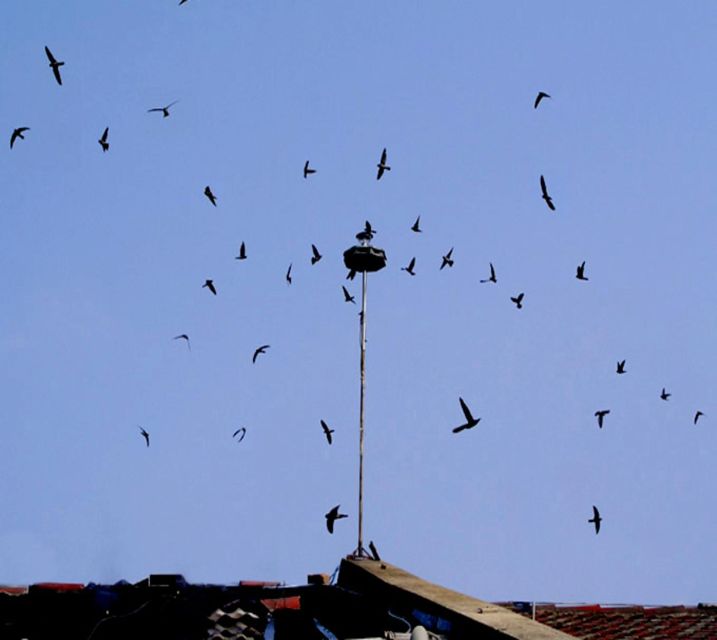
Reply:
x=327, y=431
x=316, y=255
x=621, y=366
x=242, y=252
x=17, y=133
x=241, y=430
x=545, y=196
x=470, y=420
x=307, y=170
x=581, y=272
x=415, y=226
x=374, y=551
x=332, y=516
x=288, y=275
x=539, y=97
x=600, y=415
x=447, y=260
x=103, y=140
x=492, y=274
x=664, y=395
x=209, y=284
x=183, y=336
x=596, y=519
x=409, y=268
x=210, y=195
x=518, y=300
x=697, y=416
x=382, y=166
x=164, y=110
x=261, y=349
x=55, y=65
x=145, y=435
x=347, y=296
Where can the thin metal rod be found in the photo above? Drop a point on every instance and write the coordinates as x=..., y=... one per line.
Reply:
x=359, y=549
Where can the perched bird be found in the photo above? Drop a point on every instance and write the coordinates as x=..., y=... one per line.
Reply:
x=447, y=260
x=55, y=65
x=581, y=272
x=545, y=196
x=332, y=516
x=307, y=170
x=697, y=416
x=17, y=133
x=261, y=349
x=242, y=431
x=382, y=166
x=183, y=336
x=210, y=195
x=145, y=435
x=596, y=519
x=415, y=226
x=316, y=255
x=374, y=551
x=164, y=110
x=621, y=366
x=492, y=274
x=664, y=395
x=327, y=431
x=368, y=232
x=600, y=415
x=288, y=275
x=518, y=300
x=242, y=252
x=103, y=140
x=209, y=284
x=347, y=296
x=409, y=268
x=539, y=97
x=470, y=420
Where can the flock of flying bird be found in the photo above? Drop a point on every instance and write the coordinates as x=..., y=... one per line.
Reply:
x=446, y=261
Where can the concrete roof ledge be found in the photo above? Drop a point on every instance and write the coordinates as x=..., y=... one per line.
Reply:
x=469, y=617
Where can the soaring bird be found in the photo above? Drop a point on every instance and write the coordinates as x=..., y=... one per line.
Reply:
x=539, y=97
x=307, y=170
x=332, y=516
x=664, y=395
x=242, y=252
x=164, y=110
x=697, y=416
x=518, y=300
x=415, y=226
x=288, y=275
x=17, y=133
x=447, y=260
x=55, y=65
x=545, y=196
x=145, y=435
x=374, y=551
x=600, y=415
x=242, y=431
x=103, y=140
x=581, y=272
x=492, y=274
x=327, y=431
x=409, y=268
x=382, y=166
x=470, y=420
x=347, y=296
x=596, y=519
x=210, y=195
x=621, y=366
x=261, y=349
x=316, y=255
x=209, y=284
x=183, y=336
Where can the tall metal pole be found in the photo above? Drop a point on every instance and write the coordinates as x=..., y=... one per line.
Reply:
x=359, y=549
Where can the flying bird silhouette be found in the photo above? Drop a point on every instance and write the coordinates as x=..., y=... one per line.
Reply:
x=600, y=415
x=621, y=366
x=145, y=435
x=103, y=140
x=697, y=416
x=316, y=255
x=447, y=260
x=347, y=296
x=470, y=420
x=415, y=226
x=545, y=196
x=409, y=268
x=210, y=195
x=539, y=97
x=596, y=519
x=327, y=432
x=183, y=336
x=288, y=275
x=17, y=133
x=242, y=252
x=351, y=274
x=518, y=300
x=581, y=272
x=332, y=516
x=164, y=110
x=382, y=166
x=209, y=284
x=374, y=551
x=307, y=170
x=261, y=349
x=241, y=430
x=55, y=65
x=664, y=395
x=492, y=274
x=181, y=2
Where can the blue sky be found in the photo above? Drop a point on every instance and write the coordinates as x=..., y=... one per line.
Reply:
x=104, y=255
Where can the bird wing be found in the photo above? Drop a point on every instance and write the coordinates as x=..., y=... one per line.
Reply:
x=543, y=187
x=466, y=411
x=256, y=353
x=383, y=156
x=155, y=109
x=13, y=137
x=411, y=264
x=315, y=251
x=56, y=72
x=49, y=55
x=171, y=104
x=105, y=134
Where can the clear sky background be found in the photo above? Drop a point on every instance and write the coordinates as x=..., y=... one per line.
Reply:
x=103, y=257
